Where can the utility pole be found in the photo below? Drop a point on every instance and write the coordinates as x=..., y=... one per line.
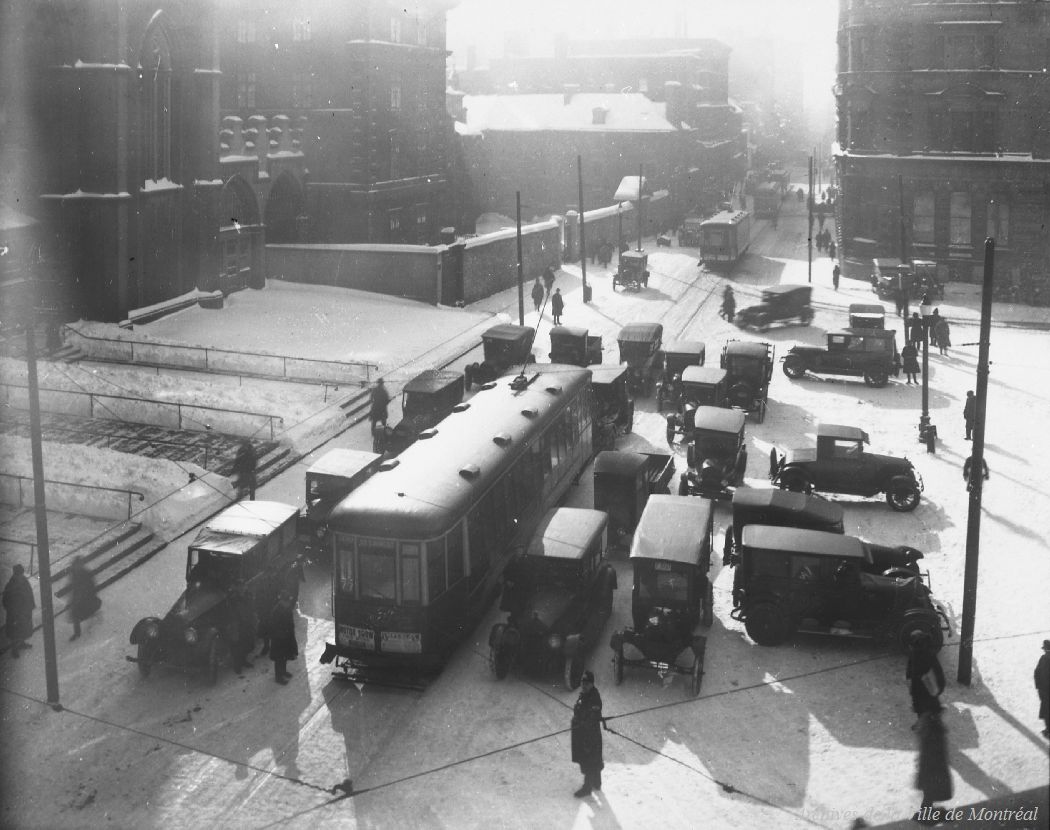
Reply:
x=47, y=609
x=639, y=207
x=809, y=238
x=583, y=244
x=904, y=282
x=521, y=266
x=973, y=520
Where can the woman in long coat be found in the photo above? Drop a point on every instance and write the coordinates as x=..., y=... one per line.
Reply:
x=910, y=360
x=942, y=334
x=281, y=631
x=933, y=776
x=587, y=735
x=18, y=606
x=85, y=594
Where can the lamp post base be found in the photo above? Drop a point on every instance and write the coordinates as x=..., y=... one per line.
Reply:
x=928, y=434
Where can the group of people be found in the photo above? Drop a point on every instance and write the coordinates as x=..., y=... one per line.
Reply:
x=915, y=329
x=543, y=289
x=276, y=630
x=19, y=603
x=825, y=242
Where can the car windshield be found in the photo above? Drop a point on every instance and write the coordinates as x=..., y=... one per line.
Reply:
x=500, y=349
x=663, y=584
x=741, y=365
x=416, y=402
x=211, y=569
x=550, y=571
x=709, y=444
x=635, y=350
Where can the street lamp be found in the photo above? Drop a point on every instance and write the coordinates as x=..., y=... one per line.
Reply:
x=927, y=431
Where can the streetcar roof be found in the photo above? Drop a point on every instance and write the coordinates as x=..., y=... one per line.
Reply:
x=673, y=528
x=726, y=217
x=567, y=532
x=431, y=485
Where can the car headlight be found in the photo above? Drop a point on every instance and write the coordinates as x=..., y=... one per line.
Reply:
x=191, y=636
x=554, y=642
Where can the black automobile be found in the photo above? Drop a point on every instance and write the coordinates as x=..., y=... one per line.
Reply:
x=779, y=508
x=717, y=454
x=779, y=303
x=558, y=595
x=623, y=482
x=426, y=399
x=632, y=272
x=867, y=316
x=672, y=593
x=575, y=346
x=251, y=546
x=613, y=405
x=506, y=346
x=749, y=368
x=868, y=353
x=329, y=480
x=789, y=580
x=839, y=464
x=639, y=348
x=701, y=386
x=675, y=357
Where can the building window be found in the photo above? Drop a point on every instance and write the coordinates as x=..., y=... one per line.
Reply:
x=246, y=31
x=421, y=222
x=301, y=29
x=962, y=129
x=246, y=90
x=922, y=218
x=396, y=165
x=155, y=78
x=959, y=224
x=395, y=29
x=998, y=222
x=937, y=128
x=394, y=223
x=302, y=90
x=395, y=97
x=969, y=52
x=987, y=121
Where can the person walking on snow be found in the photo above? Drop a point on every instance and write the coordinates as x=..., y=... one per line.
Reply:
x=1042, y=686
x=537, y=294
x=728, y=309
x=557, y=306
x=942, y=332
x=281, y=630
x=836, y=272
x=244, y=463
x=380, y=400
x=18, y=606
x=915, y=329
x=910, y=362
x=586, y=733
x=85, y=601
x=548, y=278
x=970, y=414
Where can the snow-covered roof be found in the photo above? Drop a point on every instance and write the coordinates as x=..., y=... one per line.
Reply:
x=628, y=111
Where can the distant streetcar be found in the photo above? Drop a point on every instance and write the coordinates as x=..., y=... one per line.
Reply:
x=724, y=238
x=767, y=201
x=419, y=547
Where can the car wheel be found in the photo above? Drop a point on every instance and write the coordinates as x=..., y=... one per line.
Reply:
x=774, y=462
x=877, y=378
x=145, y=658
x=698, y=670
x=909, y=628
x=573, y=671
x=806, y=316
x=708, y=615
x=499, y=661
x=618, y=665
x=794, y=368
x=903, y=497
x=796, y=482
x=213, y=661
x=767, y=624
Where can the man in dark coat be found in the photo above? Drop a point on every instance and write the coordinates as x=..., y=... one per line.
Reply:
x=380, y=400
x=836, y=272
x=548, y=278
x=970, y=414
x=587, y=735
x=85, y=601
x=537, y=294
x=967, y=471
x=243, y=626
x=933, y=776
x=244, y=464
x=557, y=306
x=281, y=630
x=915, y=329
x=1042, y=685
x=924, y=675
x=18, y=606
x=728, y=309
x=910, y=362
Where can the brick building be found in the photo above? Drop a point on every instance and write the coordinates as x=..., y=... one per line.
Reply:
x=944, y=135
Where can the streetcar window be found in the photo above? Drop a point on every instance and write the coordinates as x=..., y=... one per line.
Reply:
x=545, y=452
x=344, y=558
x=435, y=569
x=378, y=570
x=455, y=554
x=410, y=574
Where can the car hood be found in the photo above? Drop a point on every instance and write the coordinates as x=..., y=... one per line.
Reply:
x=806, y=350
x=801, y=455
x=195, y=603
x=889, y=462
x=547, y=606
x=758, y=308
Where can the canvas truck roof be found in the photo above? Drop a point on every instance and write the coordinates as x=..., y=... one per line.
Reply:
x=746, y=348
x=708, y=375
x=567, y=532
x=840, y=431
x=683, y=347
x=640, y=333
x=605, y=375
x=506, y=331
x=574, y=332
x=342, y=462
x=251, y=518
x=433, y=380
x=810, y=542
x=719, y=419
x=673, y=528
x=614, y=462
x=788, y=502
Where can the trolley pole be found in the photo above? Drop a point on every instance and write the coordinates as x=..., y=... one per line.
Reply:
x=521, y=265
x=583, y=244
x=640, y=207
x=809, y=237
x=976, y=484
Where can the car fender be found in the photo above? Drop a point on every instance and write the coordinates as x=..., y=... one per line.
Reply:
x=138, y=633
x=902, y=480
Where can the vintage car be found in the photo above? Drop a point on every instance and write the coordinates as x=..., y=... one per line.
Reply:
x=506, y=346
x=670, y=557
x=867, y=316
x=613, y=406
x=779, y=303
x=717, y=454
x=639, y=348
x=689, y=232
x=328, y=481
x=575, y=346
x=632, y=273
x=701, y=386
x=749, y=367
x=250, y=545
x=778, y=508
x=558, y=595
x=623, y=482
x=674, y=358
x=868, y=353
x=917, y=278
x=789, y=580
x=426, y=399
x=839, y=464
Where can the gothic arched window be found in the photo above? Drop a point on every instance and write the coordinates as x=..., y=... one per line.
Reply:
x=155, y=86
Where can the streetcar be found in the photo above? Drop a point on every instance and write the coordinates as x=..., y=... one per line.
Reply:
x=419, y=548
x=724, y=238
x=767, y=201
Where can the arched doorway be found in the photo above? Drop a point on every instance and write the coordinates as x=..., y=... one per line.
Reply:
x=240, y=237
x=284, y=210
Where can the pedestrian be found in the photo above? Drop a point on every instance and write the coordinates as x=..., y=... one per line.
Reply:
x=836, y=272
x=18, y=608
x=380, y=400
x=243, y=626
x=942, y=333
x=85, y=600
x=915, y=329
x=900, y=301
x=831, y=249
x=1042, y=685
x=548, y=278
x=537, y=294
x=970, y=414
x=728, y=309
x=933, y=775
x=244, y=463
x=281, y=631
x=910, y=362
x=587, y=721
x=557, y=306
x=968, y=470
x=924, y=675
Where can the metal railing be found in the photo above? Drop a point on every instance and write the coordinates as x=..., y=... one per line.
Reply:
x=132, y=495
x=31, y=570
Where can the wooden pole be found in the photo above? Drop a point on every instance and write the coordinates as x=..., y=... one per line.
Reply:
x=521, y=265
x=583, y=243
